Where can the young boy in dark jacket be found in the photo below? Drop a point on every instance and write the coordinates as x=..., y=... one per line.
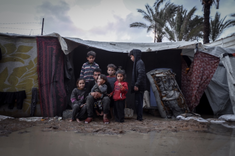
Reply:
x=138, y=81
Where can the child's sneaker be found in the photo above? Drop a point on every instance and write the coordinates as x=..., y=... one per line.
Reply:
x=88, y=120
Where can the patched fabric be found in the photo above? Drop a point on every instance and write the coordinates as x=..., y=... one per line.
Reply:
x=51, y=76
x=195, y=81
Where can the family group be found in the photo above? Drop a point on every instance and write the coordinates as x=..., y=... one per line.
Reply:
x=100, y=95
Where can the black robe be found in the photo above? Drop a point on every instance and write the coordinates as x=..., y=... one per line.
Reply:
x=138, y=72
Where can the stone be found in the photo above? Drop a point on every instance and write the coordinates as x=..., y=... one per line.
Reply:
x=67, y=114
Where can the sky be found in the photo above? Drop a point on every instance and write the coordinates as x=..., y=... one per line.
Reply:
x=98, y=20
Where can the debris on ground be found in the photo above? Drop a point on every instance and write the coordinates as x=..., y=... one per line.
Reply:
x=3, y=117
x=31, y=119
x=149, y=124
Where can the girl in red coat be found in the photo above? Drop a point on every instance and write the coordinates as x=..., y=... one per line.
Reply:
x=119, y=95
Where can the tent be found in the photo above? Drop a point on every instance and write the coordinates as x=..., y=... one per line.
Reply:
x=221, y=89
x=59, y=60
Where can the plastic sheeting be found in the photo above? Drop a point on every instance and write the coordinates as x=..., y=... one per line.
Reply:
x=146, y=100
x=227, y=42
x=197, y=118
x=68, y=44
x=229, y=64
x=3, y=117
x=217, y=51
x=228, y=117
x=217, y=92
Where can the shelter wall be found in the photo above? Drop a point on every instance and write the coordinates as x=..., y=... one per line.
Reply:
x=18, y=71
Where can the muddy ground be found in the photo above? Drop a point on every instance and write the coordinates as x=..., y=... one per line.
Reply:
x=150, y=123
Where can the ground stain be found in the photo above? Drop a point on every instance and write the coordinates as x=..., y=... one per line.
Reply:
x=32, y=141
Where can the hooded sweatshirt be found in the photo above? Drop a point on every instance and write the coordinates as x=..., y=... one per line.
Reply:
x=138, y=72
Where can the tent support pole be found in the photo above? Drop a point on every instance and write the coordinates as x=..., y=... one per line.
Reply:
x=42, y=26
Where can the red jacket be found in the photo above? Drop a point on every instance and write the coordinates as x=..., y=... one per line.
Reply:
x=119, y=93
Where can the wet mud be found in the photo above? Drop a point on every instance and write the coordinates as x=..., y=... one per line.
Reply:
x=149, y=124
x=152, y=136
x=32, y=141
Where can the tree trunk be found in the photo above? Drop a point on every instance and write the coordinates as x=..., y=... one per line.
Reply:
x=206, y=31
x=159, y=39
x=154, y=40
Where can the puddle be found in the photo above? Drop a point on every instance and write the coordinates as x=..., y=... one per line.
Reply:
x=32, y=141
x=227, y=129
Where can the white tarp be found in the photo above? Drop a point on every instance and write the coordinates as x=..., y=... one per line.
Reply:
x=227, y=42
x=221, y=90
x=3, y=117
x=216, y=51
x=217, y=48
x=228, y=117
x=69, y=43
x=229, y=64
x=217, y=92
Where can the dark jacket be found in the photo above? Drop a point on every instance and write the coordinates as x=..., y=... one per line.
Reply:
x=138, y=72
x=92, y=83
x=77, y=96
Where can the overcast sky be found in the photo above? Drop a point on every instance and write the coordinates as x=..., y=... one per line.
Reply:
x=99, y=20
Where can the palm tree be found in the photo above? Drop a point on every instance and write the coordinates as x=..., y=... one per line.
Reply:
x=206, y=7
x=185, y=26
x=157, y=18
x=233, y=21
x=218, y=25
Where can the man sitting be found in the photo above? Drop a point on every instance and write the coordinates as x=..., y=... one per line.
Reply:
x=94, y=96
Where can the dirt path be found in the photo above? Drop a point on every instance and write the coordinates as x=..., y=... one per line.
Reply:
x=150, y=123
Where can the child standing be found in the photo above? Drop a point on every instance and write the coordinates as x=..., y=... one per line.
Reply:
x=119, y=95
x=88, y=67
x=111, y=70
x=77, y=99
x=138, y=81
x=100, y=87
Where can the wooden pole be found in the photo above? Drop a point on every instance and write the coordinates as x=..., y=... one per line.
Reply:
x=42, y=26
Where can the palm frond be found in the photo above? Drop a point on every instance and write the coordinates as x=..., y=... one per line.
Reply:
x=159, y=21
x=218, y=25
x=149, y=10
x=193, y=33
x=142, y=12
x=139, y=25
x=197, y=20
x=158, y=3
x=149, y=28
x=186, y=21
x=170, y=34
x=170, y=10
x=232, y=21
x=148, y=18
